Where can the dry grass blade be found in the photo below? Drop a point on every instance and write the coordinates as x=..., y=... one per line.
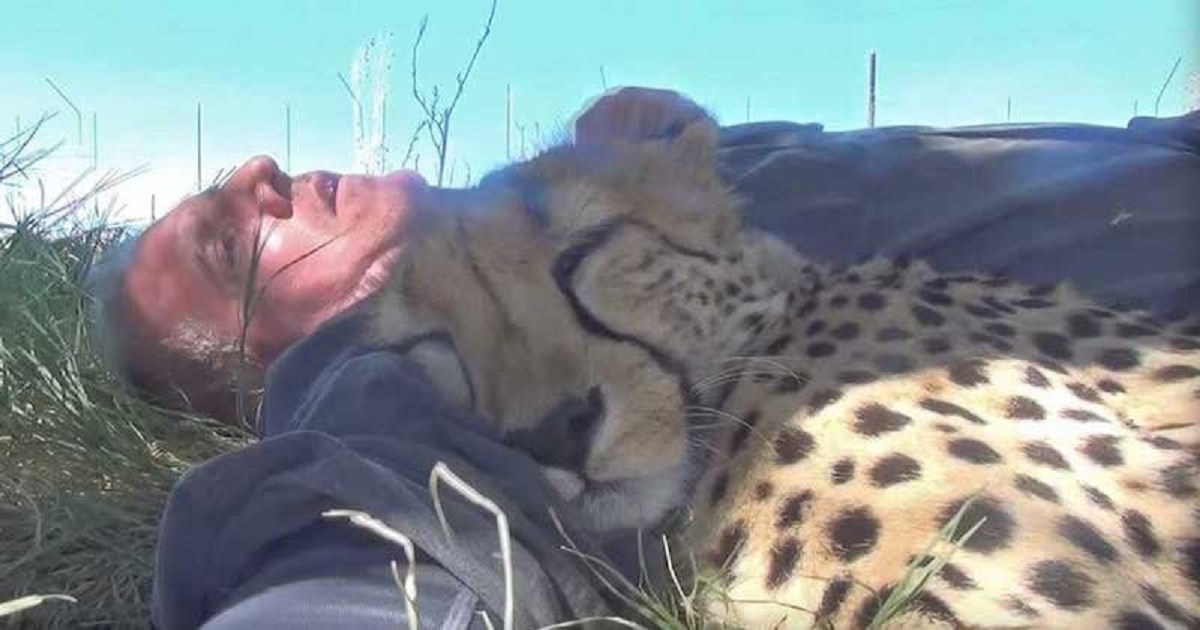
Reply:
x=442, y=473
x=31, y=601
x=407, y=585
x=924, y=567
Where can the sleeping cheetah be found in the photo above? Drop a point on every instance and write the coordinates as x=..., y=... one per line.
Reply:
x=603, y=306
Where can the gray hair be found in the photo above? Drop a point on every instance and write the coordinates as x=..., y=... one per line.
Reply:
x=115, y=336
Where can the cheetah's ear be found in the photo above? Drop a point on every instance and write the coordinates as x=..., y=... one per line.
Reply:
x=636, y=114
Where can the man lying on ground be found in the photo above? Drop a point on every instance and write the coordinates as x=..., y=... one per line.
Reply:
x=349, y=426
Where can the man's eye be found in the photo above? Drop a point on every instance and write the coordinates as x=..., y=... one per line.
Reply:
x=227, y=250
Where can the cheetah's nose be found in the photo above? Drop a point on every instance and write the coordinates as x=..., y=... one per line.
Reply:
x=562, y=438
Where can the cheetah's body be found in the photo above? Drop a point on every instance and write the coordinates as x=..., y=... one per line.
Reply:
x=602, y=306
x=893, y=395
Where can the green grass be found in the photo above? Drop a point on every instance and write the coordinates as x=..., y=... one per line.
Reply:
x=84, y=468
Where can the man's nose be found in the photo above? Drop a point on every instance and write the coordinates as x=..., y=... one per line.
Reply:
x=262, y=179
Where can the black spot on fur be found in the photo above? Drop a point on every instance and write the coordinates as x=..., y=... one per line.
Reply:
x=972, y=450
x=1133, y=331
x=995, y=533
x=955, y=577
x=1095, y=495
x=1083, y=415
x=1018, y=606
x=785, y=555
x=1103, y=450
x=1173, y=373
x=729, y=545
x=856, y=377
x=891, y=333
x=869, y=608
x=927, y=316
x=1119, y=359
x=1179, y=480
x=1163, y=605
x=871, y=301
x=1140, y=533
x=792, y=445
x=1000, y=329
x=719, y=488
x=968, y=373
x=1136, y=620
x=1053, y=345
x=834, y=597
x=990, y=340
x=822, y=398
x=814, y=328
x=875, y=419
x=1083, y=392
x=1190, y=555
x=853, y=533
x=891, y=363
x=997, y=304
x=763, y=490
x=1063, y=584
x=1109, y=386
x=1036, y=488
x=981, y=311
x=1035, y=377
x=1043, y=453
x=1162, y=442
x=893, y=469
x=820, y=349
x=945, y=428
x=839, y=301
x=842, y=472
x=1024, y=408
x=791, y=511
x=937, y=298
x=1083, y=535
x=777, y=346
x=846, y=331
x=1187, y=345
x=936, y=345
x=950, y=409
x=1082, y=326
x=1053, y=366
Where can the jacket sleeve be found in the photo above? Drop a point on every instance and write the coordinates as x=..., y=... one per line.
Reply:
x=243, y=543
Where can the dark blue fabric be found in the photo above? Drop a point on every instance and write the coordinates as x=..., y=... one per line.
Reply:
x=1115, y=211
x=358, y=428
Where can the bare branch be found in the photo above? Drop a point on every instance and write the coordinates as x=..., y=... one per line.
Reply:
x=437, y=117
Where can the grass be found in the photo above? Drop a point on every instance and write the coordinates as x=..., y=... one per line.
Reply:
x=85, y=469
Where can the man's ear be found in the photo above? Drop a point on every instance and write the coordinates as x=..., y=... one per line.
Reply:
x=635, y=114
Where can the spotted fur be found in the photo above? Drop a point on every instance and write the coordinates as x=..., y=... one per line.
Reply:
x=602, y=305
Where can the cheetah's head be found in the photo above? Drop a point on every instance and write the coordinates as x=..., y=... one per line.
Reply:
x=577, y=299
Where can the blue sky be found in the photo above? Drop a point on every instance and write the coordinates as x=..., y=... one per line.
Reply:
x=142, y=66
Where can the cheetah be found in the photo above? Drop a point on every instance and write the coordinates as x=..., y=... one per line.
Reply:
x=603, y=305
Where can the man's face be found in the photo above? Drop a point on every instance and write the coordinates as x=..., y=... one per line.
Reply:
x=326, y=242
